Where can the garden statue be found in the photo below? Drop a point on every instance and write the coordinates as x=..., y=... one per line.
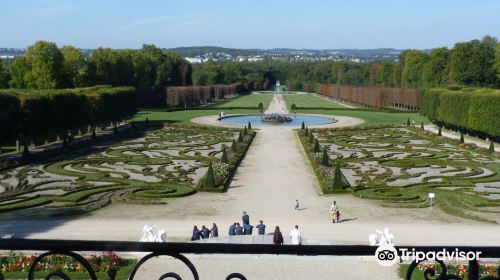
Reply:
x=381, y=238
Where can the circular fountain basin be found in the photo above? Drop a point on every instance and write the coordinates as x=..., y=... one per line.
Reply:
x=256, y=120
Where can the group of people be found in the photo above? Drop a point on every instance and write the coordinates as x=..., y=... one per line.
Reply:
x=204, y=232
x=247, y=228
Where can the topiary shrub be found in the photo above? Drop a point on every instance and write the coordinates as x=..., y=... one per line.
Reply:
x=233, y=146
x=303, y=126
x=245, y=131
x=240, y=138
x=491, y=149
x=462, y=140
x=260, y=106
x=249, y=125
x=408, y=122
x=293, y=107
x=209, y=180
x=324, y=158
x=311, y=138
x=224, y=156
x=337, y=177
x=316, y=146
x=306, y=132
x=422, y=125
x=439, y=132
x=26, y=151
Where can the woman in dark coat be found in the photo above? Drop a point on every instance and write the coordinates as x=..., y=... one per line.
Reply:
x=277, y=236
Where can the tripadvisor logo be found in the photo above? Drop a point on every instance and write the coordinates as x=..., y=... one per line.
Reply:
x=386, y=255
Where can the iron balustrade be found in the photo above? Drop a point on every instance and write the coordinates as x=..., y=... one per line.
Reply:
x=176, y=250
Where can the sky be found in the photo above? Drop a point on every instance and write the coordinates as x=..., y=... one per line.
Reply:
x=264, y=24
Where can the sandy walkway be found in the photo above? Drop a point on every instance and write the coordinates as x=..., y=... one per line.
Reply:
x=456, y=135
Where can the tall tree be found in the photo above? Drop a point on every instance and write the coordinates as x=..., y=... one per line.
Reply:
x=436, y=69
x=472, y=62
x=414, y=61
x=20, y=70
x=4, y=76
x=46, y=66
x=74, y=67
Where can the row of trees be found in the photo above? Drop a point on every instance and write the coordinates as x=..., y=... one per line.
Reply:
x=471, y=110
x=46, y=66
x=475, y=63
x=39, y=114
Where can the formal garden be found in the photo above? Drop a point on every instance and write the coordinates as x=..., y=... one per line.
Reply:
x=400, y=165
x=172, y=161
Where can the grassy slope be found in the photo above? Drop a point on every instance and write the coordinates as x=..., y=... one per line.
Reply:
x=246, y=101
x=310, y=100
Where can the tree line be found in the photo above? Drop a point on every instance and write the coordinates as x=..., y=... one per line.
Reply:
x=475, y=63
x=46, y=66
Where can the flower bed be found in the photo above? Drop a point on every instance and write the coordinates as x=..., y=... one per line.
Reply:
x=17, y=265
x=457, y=269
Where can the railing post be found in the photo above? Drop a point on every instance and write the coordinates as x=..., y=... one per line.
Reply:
x=473, y=270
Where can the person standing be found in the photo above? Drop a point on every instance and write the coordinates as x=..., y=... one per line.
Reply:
x=333, y=212
x=196, y=234
x=295, y=236
x=204, y=232
x=214, y=231
x=297, y=205
x=261, y=228
x=245, y=218
x=232, y=229
x=277, y=236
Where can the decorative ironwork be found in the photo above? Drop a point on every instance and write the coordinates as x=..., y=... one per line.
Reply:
x=176, y=250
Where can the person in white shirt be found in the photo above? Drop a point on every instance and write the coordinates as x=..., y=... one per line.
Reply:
x=295, y=236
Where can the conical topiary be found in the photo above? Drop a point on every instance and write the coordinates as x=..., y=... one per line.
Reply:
x=224, y=156
x=233, y=146
x=439, y=132
x=245, y=131
x=26, y=151
x=316, y=146
x=311, y=138
x=408, y=122
x=303, y=126
x=462, y=140
x=209, y=180
x=306, y=132
x=324, y=159
x=240, y=138
x=491, y=149
x=337, y=177
x=422, y=125
x=249, y=125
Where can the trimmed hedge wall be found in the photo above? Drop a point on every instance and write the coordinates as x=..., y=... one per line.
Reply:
x=472, y=110
x=43, y=112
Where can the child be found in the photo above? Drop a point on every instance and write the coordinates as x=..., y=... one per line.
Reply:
x=338, y=216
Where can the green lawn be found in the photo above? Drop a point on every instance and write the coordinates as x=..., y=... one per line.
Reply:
x=251, y=100
x=310, y=100
x=372, y=117
x=184, y=116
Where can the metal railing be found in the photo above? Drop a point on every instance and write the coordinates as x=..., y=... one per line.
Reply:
x=176, y=250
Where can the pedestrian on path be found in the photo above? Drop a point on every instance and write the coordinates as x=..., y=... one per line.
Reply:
x=295, y=236
x=238, y=230
x=232, y=229
x=333, y=212
x=214, y=231
x=297, y=205
x=205, y=233
x=277, y=236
